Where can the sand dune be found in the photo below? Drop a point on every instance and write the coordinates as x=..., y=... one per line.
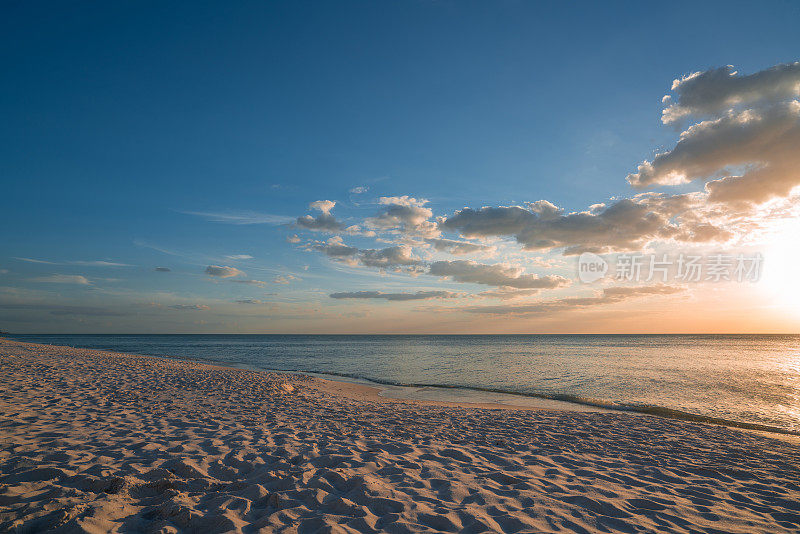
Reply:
x=93, y=441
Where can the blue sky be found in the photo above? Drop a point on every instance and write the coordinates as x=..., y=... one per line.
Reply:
x=136, y=133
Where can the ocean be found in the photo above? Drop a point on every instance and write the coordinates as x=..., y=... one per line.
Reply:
x=745, y=380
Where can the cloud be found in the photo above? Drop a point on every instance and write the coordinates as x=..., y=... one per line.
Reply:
x=94, y=263
x=714, y=91
x=360, y=189
x=607, y=296
x=249, y=282
x=241, y=217
x=189, y=307
x=501, y=274
x=405, y=215
x=394, y=258
x=419, y=295
x=325, y=206
x=162, y=269
x=223, y=271
x=388, y=258
x=324, y=222
x=249, y=301
x=455, y=247
x=508, y=293
x=285, y=279
x=99, y=263
x=762, y=144
x=336, y=249
x=55, y=309
x=63, y=279
x=628, y=224
x=239, y=257
x=31, y=260
x=293, y=238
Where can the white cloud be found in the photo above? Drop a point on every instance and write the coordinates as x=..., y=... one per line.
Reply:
x=31, y=260
x=360, y=189
x=64, y=279
x=241, y=217
x=223, y=271
x=293, y=238
x=285, y=279
x=325, y=206
x=239, y=257
x=93, y=263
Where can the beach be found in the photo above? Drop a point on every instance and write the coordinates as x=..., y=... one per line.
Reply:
x=94, y=441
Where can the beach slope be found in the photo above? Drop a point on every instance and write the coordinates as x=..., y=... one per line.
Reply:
x=94, y=441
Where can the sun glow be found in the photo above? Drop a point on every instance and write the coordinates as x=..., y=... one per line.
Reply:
x=781, y=270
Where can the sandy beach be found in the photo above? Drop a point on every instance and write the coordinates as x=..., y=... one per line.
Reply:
x=95, y=441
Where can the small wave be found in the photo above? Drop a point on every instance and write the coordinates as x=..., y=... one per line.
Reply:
x=660, y=411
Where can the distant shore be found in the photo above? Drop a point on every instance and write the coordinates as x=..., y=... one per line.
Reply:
x=99, y=441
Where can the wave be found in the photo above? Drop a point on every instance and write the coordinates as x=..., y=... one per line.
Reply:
x=647, y=409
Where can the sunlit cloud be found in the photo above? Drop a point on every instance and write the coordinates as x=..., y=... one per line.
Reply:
x=223, y=271
x=610, y=295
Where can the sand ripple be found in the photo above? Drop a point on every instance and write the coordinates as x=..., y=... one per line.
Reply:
x=94, y=442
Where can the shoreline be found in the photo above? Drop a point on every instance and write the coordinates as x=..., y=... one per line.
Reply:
x=97, y=441
x=517, y=400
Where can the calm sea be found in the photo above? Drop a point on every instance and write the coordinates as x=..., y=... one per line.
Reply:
x=752, y=379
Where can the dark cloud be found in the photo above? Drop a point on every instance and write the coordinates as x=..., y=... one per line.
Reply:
x=222, y=271
x=324, y=222
x=419, y=295
x=189, y=307
x=761, y=144
x=494, y=275
x=627, y=224
x=455, y=247
x=404, y=214
x=162, y=269
x=714, y=91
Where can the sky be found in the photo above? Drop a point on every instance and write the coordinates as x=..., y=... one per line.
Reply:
x=399, y=167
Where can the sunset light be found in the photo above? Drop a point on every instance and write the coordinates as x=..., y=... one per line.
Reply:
x=400, y=266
